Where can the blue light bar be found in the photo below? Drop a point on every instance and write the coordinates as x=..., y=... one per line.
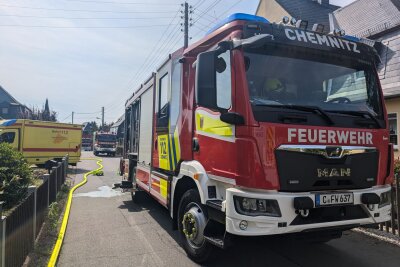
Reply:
x=237, y=16
x=351, y=38
x=8, y=122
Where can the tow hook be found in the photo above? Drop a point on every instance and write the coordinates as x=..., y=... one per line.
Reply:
x=304, y=213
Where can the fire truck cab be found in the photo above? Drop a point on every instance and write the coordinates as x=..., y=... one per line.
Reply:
x=262, y=129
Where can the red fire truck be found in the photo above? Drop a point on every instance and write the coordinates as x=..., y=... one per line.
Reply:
x=262, y=129
x=104, y=143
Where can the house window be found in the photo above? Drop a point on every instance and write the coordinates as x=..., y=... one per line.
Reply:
x=393, y=128
x=4, y=110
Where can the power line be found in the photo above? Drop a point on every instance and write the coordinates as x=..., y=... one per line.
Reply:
x=123, y=3
x=149, y=56
x=80, y=27
x=66, y=117
x=220, y=15
x=89, y=18
x=84, y=10
x=141, y=70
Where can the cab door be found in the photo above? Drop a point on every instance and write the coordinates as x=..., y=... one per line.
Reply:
x=214, y=140
x=10, y=136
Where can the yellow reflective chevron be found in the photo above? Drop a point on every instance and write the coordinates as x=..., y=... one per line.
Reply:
x=210, y=125
x=163, y=151
x=164, y=188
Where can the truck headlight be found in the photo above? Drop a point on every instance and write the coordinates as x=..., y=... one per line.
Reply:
x=385, y=199
x=257, y=207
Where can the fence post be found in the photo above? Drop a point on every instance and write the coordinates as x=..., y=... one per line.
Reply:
x=3, y=221
x=54, y=170
x=33, y=189
x=397, y=178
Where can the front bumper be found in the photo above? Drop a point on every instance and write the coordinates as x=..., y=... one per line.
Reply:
x=289, y=221
x=105, y=150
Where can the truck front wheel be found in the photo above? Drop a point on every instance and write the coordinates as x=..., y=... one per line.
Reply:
x=192, y=219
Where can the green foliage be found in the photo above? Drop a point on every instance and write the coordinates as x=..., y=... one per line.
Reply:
x=54, y=214
x=397, y=166
x=15, y=176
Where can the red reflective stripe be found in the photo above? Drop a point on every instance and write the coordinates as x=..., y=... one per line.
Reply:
x=50, y=149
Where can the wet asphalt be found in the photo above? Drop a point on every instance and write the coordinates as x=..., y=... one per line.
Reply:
x=106, y=228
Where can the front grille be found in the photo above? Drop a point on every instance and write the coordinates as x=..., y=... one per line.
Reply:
x=312, y=172
x=106, y=146
x=331, y=214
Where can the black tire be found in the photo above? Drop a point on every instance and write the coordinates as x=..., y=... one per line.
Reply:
x=200, y=253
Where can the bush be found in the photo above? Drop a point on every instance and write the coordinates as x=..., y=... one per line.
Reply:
x=54, y=215
x=397, y=166
x=15, y=176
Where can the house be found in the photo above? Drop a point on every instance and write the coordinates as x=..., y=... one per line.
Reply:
x=313, y=11
x=10, y=108
x=379, y=20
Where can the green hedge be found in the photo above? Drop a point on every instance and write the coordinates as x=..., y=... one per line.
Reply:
x=15, y=176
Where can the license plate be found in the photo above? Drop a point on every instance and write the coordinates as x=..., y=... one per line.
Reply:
x=333, y=199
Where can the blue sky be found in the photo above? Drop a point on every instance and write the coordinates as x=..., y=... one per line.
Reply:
x=85, y=54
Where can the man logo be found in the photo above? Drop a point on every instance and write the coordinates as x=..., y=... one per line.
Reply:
x=334, y=172
x=334, y=152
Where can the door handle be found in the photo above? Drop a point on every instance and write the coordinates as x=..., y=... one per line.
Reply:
x=196, y=145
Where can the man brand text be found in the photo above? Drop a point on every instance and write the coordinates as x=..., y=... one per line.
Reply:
x=315, y=38
x=329, y=136
x=334, y=172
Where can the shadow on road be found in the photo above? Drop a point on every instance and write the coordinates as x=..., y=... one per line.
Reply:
x=351, y=250
x=253, y=251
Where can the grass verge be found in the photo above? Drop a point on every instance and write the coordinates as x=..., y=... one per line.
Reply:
x=49, y=232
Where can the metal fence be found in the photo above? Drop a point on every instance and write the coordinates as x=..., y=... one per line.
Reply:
x=393, y=225
x=19, y=229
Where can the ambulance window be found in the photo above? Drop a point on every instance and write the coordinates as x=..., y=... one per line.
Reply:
x=224, y=83
x=163, y=92
x=7, y=138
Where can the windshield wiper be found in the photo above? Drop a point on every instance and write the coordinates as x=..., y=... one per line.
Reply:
x=314, y=109
x=363, y=114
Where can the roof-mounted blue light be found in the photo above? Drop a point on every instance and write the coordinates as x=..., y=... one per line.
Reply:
x=351, y=38
x=237, y=16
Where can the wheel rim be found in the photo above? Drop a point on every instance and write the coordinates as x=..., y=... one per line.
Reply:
x=194, y=222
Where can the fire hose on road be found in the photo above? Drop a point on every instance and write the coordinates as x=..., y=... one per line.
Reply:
x=60, y=238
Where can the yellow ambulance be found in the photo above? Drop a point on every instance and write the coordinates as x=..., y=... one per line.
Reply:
x=41, y=141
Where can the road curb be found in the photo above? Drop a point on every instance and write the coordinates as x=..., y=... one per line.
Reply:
x=384, y=238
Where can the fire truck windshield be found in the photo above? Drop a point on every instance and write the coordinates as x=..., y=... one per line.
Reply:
x=332, y=83
x=106, y=138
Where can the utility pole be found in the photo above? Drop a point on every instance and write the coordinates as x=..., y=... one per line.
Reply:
x=186, y=26
x=102, y=117
x=187, y=22
x=72, y=117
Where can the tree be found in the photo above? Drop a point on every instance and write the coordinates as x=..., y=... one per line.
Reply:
x=44, y=114
x=106, y=127
x=15, y=176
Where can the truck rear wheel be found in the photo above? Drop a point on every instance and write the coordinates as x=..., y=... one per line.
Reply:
x=192, y=219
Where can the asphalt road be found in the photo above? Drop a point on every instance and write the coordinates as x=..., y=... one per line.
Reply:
x=107, y=229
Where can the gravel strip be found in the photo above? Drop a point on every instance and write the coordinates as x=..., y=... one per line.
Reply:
x=381, y=235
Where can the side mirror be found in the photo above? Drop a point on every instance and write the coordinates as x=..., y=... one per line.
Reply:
x=206, y=93
x=232, y=118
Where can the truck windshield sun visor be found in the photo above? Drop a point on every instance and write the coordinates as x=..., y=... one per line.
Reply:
x=302, y=79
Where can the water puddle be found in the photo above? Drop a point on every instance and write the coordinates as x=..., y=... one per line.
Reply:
x=103, y=191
